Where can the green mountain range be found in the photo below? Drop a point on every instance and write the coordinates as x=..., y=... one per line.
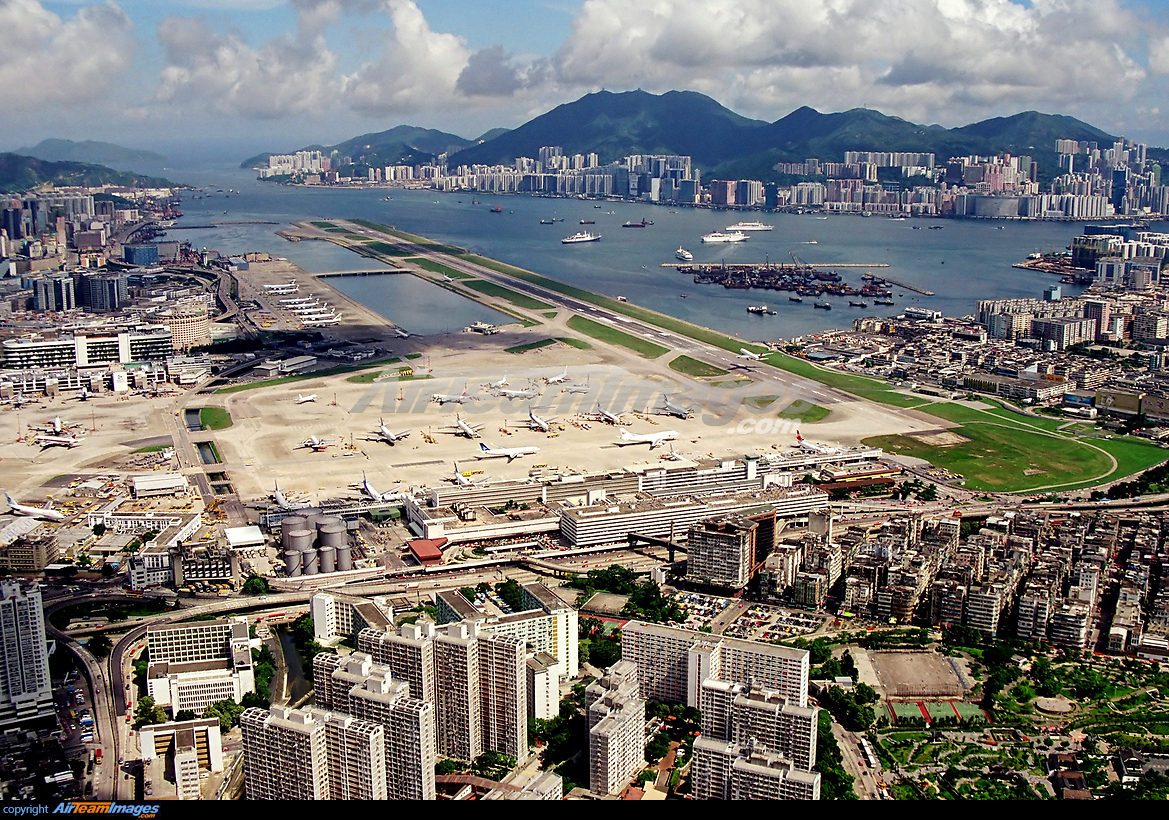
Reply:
x=403, y=145
x=54, y=150
x=19, y=173
x=721, y=143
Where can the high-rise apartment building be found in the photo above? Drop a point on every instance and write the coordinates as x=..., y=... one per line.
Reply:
x=357, y=686
x=616, y=721
x=312, y=754
x=723, y=770
x=457, y=682
x=26, y=691
x=409, y=653
x=722, y=551
x=672, y=662
x=744, y=714
x=503, y=677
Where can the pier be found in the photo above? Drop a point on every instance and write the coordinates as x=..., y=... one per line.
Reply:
x=907, y=286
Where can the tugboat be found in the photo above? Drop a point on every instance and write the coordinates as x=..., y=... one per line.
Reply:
x=822, y=305
x=588, y=222
x=497, y=210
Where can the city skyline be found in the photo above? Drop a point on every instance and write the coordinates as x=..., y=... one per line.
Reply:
x=264, y=73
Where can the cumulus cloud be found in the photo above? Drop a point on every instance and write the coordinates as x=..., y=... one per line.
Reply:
x=918, y=58
x=289, y=75
x=47, y=59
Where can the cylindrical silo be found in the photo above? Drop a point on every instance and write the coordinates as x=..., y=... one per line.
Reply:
x=299, y=539
x=329, y=521
x=292, y=563
x=328, y=559
x=308, y=561
x=288, y=525
x=344, y=559
x=333, y=534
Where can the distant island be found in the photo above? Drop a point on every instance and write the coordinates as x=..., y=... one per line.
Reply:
x=88, y=151
x=19, y=173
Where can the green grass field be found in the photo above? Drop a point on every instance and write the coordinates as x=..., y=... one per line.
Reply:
x=551, y=314
x=157, y=448
x=613, y=336
x=760, y=402
x=802, y=410
x=438, y=267
x=422, y=241
x=214, y=418
x=386, y=249
x=521, y=300
x=693, y=367
x=579, y=344
x=524, y=348
x=325, y=225
x=866, y=388
x=370, y=375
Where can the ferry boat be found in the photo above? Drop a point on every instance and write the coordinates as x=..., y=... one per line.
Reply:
x=718, y=236
x=684, y=254
x=576, y=238
x=760, y=310
x=749, y=226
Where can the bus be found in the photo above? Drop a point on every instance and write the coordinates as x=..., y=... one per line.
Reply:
x=97, y=756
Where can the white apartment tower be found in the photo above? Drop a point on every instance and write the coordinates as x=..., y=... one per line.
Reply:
x=503, y=677
x=409, y=653
x=312, y=754
x=457, y=681
x=745, y=714
x=616, y=721
x=357, y=686
x=26, y=692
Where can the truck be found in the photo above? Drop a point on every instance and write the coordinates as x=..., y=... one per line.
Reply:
x=97, y=757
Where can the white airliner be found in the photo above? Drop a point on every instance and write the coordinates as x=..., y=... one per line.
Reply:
x=45, y=513
x=652, y=439
x=383, y=433
x=510, y=453
x=537, y=423
x=809, y=446
x=57, y=441
x=607, y=417
x=465, y=480
x=672, y=409
x=302, y=399
x=577, y=388
x=55, y=425
x=315, y=444
x=282, y=502
x=369, y=490
x=529, y=393
x=744, y=353
x=446, y=398
x=84, y=394
x=563, y=377
x=497, y=385
x=461, y=428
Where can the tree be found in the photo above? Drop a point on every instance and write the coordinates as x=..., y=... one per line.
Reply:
x=99, y=645
x=604, y=652
x=227, y=711
x=512, y=594
x=146, y=713
x=83, y=560
x=108, y=570
x=185, y=714
x=255, y=585
x=99, y=530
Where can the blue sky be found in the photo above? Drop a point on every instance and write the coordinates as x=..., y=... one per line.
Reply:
x=277, y=74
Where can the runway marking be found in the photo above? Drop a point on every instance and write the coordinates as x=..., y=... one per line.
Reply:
x=419, y=463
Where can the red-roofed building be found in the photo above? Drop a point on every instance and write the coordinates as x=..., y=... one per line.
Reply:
x=427, y=551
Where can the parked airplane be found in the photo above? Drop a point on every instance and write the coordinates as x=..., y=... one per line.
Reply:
x=809, y=446
x=464, y=480
x=672, y=409
x=282, y=502
x=510, y=453
x=84, y=394
x=45, y=513
x=383, y=434
x=446, y=398
x=302, y=399
x=461, y=428
x=497, y=385
x=577, y=388
x=401, y=334
x=529, y=393
x=537, y=423
x=607, y=417
x=57, y=441
x=652, y=439
x=315, y=444
x=369, y=490
x=563, y=377
x=673, y=455
x=744, y=353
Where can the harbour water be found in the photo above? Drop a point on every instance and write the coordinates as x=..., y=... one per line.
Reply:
x=963, y=261
x=414, y=304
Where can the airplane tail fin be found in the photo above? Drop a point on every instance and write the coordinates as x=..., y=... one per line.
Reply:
x=11, y=501
x=483, y=446
x=798, y=436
